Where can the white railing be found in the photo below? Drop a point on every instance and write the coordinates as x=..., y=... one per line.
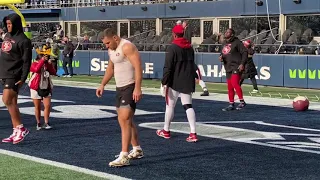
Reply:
x=36, y=4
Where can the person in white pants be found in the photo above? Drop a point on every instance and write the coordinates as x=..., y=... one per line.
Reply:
x=179, y=81
x=201, y=83
x=171, y=97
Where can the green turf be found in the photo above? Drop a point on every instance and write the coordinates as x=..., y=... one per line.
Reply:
x=266, y=91
x=12, y=168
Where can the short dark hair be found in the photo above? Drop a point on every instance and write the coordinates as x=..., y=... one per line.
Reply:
x=232, y=31
x=179, y=35
x=109, y=32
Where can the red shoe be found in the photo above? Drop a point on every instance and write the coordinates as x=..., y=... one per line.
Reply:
x=21, y=134
x=163, y=133
x=192, y=137
x=10, y=138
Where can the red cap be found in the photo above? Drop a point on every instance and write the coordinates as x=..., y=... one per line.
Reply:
x=178, y=29
x=247, y=43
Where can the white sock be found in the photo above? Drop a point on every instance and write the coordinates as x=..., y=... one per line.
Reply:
x=136, y=148
x=168, y=117
x=192, y=119
x=19, y=126
x=124, y=154
x=203, y=85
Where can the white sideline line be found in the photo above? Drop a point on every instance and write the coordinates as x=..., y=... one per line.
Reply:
x=62, y=165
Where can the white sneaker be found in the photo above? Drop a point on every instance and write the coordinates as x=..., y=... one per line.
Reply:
x=47, y=126
x=21, y=134
x=254, y=91
x=136, y=154
x=10, y=138
x=69, y=76
x=120, y=161
x=39, y=127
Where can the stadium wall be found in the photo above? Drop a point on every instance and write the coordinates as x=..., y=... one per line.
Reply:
x=198, y=9
x=273, y=70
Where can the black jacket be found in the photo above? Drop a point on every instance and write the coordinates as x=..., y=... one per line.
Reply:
x=234, y=53
x=250, y=68
x=179, y=67
x=16, y=51
x=68, y=50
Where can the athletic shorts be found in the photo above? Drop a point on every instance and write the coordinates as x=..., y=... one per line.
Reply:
x=124, y=97
x=34, y=94
x=10, y=84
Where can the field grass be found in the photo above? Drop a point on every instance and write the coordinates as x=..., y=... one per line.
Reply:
x=265, y=91
x=12, y=168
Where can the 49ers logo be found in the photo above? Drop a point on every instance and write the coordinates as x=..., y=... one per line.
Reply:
x=6, y=46
x=226, y=49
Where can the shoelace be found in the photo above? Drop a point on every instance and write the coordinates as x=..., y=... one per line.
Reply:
x=19, y=132
x=116, y=156
x=14, y=133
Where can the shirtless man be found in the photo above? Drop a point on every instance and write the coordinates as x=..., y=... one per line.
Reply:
x=125, y=65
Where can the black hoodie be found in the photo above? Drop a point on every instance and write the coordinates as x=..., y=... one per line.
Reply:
x=234, y=54
x=16, y=51
x=179, y=67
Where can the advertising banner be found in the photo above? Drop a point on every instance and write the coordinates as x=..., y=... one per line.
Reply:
x=270, y=69
x=273, y=70
x=313, y=72
x=295, y=71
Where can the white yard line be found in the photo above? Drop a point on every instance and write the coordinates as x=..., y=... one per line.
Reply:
x=62, y=165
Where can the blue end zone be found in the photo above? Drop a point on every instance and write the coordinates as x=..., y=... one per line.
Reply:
x=92, y=142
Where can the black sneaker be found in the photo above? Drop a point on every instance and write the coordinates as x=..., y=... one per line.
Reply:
x=229, y=108
x=205, y=93
x=47, y=126
x=241, y=105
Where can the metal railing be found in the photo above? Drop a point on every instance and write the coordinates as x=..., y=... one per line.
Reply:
x=37, y=4
x=265, y=48
x=206, y=48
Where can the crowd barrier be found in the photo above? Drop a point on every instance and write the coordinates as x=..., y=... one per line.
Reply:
x=299, y=71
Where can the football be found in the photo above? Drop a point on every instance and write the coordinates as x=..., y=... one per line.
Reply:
x=300, y=103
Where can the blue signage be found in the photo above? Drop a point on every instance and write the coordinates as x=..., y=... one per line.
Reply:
x=273, y=70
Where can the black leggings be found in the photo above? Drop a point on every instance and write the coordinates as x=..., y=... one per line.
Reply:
x=254, y=82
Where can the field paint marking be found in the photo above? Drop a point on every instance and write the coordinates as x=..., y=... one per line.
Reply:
x=154, y=125
x=62, y=165
x=284, y=126
x=261, y=123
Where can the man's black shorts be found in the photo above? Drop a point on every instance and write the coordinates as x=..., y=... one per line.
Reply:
x=124, y=97
x=10, y=84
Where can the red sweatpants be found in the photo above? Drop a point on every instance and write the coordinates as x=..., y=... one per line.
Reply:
x=233, y=84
